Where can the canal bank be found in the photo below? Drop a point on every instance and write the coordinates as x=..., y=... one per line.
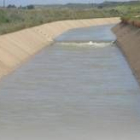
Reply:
x=128, y=40
x=18, y=47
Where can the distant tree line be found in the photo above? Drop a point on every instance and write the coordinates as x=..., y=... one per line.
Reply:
x=12, y=6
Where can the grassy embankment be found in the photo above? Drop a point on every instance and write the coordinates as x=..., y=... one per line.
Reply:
x=132, y=17
x=16, y=19
x=131, y=20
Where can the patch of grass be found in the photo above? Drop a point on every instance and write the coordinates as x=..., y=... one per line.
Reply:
x=16, y=19
x=131, y=20
x=131, y=15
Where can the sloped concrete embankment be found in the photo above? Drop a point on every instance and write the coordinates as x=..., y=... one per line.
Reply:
x=128, y=39
x=15, y=48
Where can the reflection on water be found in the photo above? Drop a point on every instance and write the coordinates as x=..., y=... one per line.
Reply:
x=71, y=91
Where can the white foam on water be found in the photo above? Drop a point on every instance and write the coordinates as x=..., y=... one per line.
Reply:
x=88, y=44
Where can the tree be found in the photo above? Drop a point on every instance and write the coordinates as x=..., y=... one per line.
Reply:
x=30, y=7
x=11, y=6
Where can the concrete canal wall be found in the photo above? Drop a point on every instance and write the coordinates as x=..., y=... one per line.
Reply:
x=15, y=48
x=128, y=39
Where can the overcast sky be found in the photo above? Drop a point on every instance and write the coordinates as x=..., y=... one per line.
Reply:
x=26, y=2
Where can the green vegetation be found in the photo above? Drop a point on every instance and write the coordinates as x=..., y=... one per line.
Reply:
x=131, y=20
x=16, y=19
x=13, y=18
x=131, y=15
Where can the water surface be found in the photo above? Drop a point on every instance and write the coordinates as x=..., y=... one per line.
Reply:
x=95, y=34
x=80, y=91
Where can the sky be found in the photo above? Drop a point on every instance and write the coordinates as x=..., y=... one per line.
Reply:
x=27, y=2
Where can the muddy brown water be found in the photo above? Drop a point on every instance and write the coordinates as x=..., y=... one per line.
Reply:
x=79, y=88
